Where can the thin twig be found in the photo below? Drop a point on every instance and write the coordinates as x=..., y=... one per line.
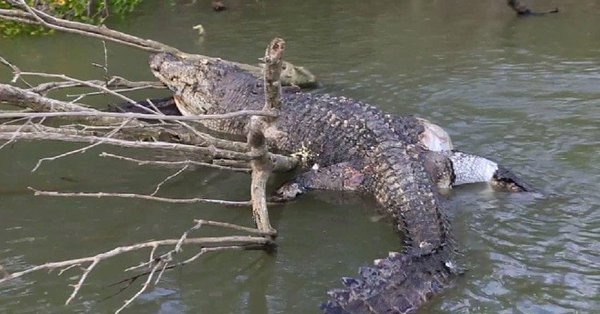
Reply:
x=173, y=163
x=89, y=84
x=231, y=226
x=67, y=268
x=132, y=279
x=132, y=115
x=168, y=256
x=80, y=150
x=114, y=82
x=159, y=185
x=15, y=69
x=120, y=90
x=16, y=134
x=141, y=196
x=85, y=274
x=144, y=287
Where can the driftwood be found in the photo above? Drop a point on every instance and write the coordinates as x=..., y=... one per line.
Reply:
x=28, y=109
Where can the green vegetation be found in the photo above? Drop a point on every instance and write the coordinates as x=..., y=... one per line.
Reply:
x=89, y=11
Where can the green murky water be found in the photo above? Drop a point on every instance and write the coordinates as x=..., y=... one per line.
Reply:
x=525, y=92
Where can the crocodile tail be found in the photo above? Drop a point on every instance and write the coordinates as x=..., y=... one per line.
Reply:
x=399, y=283
x=469, y=168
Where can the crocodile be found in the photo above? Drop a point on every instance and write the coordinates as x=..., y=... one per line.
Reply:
x=400, y=160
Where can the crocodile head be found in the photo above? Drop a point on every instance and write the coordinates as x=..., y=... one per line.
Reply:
x=189, y=83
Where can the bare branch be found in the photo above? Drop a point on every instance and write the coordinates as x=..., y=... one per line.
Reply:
x=204, y=250
x=125, y=115
x=159, y=185
x=85, y=274
x=262, y=166
x=15, y=134
x=27, y=99
x=219, y=243
x=246, y=241
x=231, y=163
x=210, y=153
x=144, y=287
x=231, y=226
x=88, y=84
x=114, y=82
x=67, y=268
x=15, y=69
x=141, y=196
x=80, y=150
x=173, y=163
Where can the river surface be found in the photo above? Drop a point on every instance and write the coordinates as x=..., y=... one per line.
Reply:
x=522, y=91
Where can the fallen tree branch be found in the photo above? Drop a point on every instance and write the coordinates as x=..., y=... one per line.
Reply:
x=262, y=166
x=212, y=156
x=28, y=99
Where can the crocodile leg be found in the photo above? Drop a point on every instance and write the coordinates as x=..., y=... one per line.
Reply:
x=343, y=176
